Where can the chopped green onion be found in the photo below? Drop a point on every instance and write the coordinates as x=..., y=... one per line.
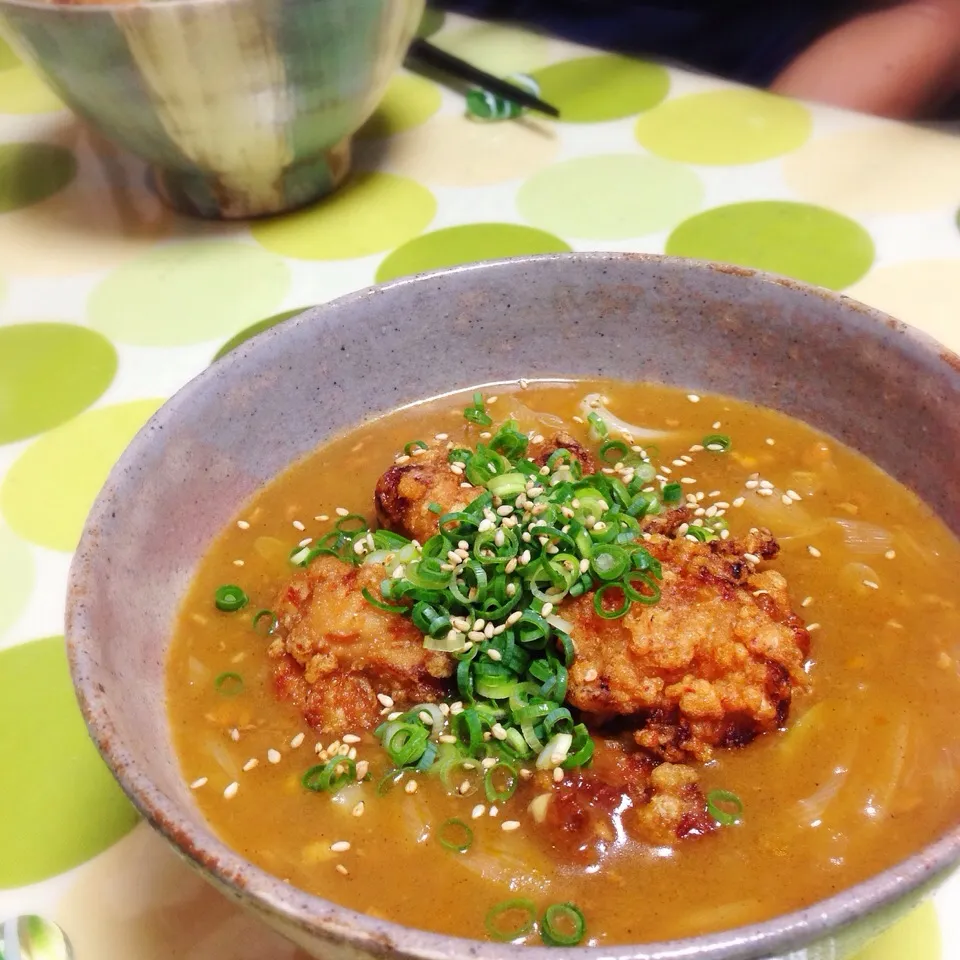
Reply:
x=609, y=562
x=651, y=596
x=435, y=507
x=265, y=622
x=617, y=447
x=507, y=485
x=230, y=598
x=228, y=684
x=380, y=605
x=563, y=925
x=725, y=807
x=329, y=777
x=497, y=794
x=702, y=534
x=717, y=443
x=351, y=523
x=408, y=448
x=521, y=926
x=598, y=426
x=672, y=493
x=606, y=612
x=454, y=834
x=477, y=413
x=388, y=781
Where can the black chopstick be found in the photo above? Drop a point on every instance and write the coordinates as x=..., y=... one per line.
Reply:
x=439, y=59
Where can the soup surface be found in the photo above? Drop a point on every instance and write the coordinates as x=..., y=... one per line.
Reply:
x=715, y=796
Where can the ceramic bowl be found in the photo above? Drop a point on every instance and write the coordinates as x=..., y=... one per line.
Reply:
x=859, y=375
x=242, y=107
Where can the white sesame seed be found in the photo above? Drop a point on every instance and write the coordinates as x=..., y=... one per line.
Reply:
x=514, y=617
x=813, y=551
x=403, y=458
x=362, y=768
x=811, y=627
x=509, y=825
x=679, y=463
x=477, y=636
x=557, y=774
x=494, y=654
x=235, y=735
x=230, y=791
x=590, y=675
x=441, y=436
x=395, y=715
x=243, y=525
x=350, y=738
x=447, y=738
x=785, y=500
x=806, y=601
x=411, y=786
x=693, y=398
x=238, y=563
x=464, y=787
x=546, y=610
x=891, y=554
x=299, y=525
x=305, y=542
x=357, y=811
x=341, y=846
x=457, y=469
x=321, y=517
x=493, y=811
x=342, y=512
x=498, y=731
x=478, y=811
x=716, y=425
x=273, y=755
x=296, y=741
x=385, y=700
x=341, y=869
x=250, y=764
x=751, y=557
x=198, y=783
x=687, y=480
x=872, y=584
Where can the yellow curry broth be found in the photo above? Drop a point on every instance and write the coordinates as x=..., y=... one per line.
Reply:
x=867, y=771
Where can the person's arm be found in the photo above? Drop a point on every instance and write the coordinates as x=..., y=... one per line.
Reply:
x=893, y=62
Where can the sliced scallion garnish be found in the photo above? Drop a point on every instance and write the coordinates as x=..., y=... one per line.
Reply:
x=510, y=919
x=265, y=622
x=228, y=684
x=563, y=925
x=230, y=598
x=725, y=807
x=717, y=443
x=329, y=777
x=455, y=835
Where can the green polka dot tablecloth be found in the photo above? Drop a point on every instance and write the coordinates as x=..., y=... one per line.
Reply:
x=109, y=302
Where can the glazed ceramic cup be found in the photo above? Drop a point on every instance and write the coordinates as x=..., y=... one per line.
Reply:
x=861, y=376
x=242, y=107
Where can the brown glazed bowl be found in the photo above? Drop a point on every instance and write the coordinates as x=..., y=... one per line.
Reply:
x=859, y=375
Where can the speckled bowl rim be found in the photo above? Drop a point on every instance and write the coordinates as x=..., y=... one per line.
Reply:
x=312, y=915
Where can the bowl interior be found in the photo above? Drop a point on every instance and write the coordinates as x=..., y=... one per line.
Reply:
x=861, y=377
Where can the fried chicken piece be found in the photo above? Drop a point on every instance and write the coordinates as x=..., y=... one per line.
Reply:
x=335, y=651
x=713, y=664
x=405, y=492
x=657, y=803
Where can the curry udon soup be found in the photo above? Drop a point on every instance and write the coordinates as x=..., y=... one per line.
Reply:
x=578, y=663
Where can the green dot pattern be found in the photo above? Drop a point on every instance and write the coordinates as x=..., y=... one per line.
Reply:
x=49, y=372
x=600, y=88
x=31, y=172
x=467, y=244
x=66, y=807
x=798, y=240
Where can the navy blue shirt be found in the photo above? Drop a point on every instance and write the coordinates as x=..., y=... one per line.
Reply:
x=747, y=40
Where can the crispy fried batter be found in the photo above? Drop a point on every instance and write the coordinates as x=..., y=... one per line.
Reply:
x=659, y=804
x=406, y=491
x=404, y=494
x=713, y=664
x=335, y=652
